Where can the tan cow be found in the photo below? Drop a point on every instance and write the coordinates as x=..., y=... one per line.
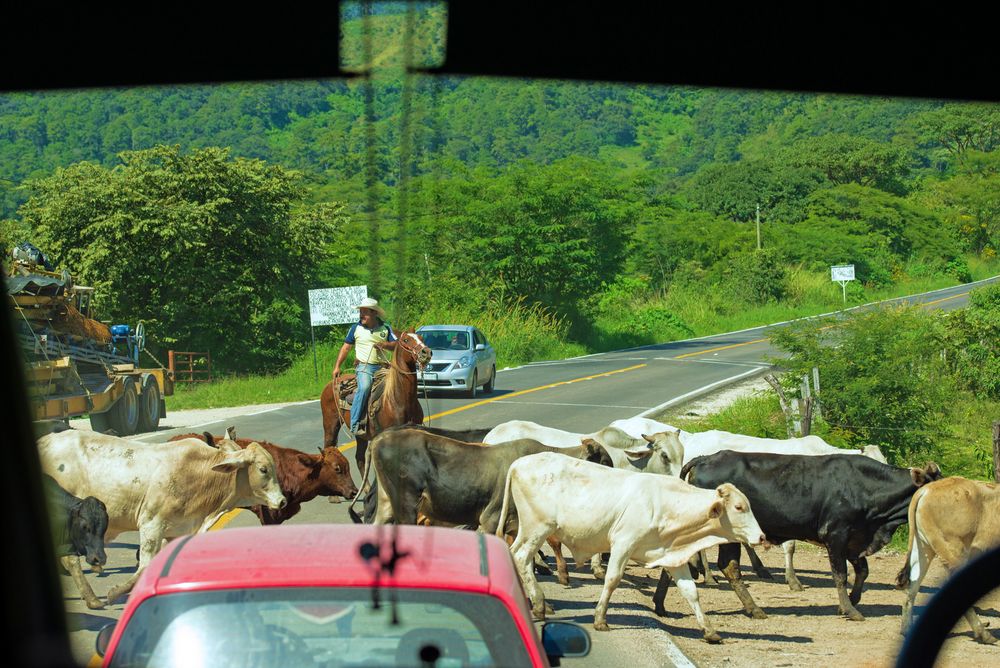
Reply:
x=954, y=519
x=161, y=490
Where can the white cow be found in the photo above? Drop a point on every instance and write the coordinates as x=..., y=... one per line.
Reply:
x=653, y=451
x=658, y=521
x=163, y=490
x=694, y=444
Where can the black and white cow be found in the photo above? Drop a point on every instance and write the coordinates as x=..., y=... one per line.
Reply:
x=78, y=527
x=851, y=505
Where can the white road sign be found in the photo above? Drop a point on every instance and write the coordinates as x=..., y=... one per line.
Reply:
x=843, y=272
x=335, y=306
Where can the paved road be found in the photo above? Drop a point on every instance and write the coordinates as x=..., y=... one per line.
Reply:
x=581, y=394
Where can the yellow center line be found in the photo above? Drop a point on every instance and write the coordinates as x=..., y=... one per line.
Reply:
x=712, y=350
x=348, y=446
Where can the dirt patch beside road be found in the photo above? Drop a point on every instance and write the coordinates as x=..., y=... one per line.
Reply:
x=802, y=628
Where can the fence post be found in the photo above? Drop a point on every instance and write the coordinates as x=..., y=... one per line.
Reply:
x=816, y=403
x=996, y=451
x=170, y=363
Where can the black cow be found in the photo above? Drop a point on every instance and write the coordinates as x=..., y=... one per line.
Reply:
x=460, y=483
x=78, y=528
x=850, y=504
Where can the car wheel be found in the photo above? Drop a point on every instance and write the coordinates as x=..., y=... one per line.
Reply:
x=488, y=387
x=472, y=387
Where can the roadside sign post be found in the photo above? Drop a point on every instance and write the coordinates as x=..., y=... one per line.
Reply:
x=842, y=273
x=333, y=306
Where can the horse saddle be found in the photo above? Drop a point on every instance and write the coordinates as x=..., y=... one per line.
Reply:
x=348, y=388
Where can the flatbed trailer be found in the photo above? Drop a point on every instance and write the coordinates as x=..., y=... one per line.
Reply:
x=78, y=370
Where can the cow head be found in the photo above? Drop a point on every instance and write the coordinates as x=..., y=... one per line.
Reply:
x=259, y=466
x=929, y=473
x=732, y=509
x=597, y=453
x=88, y=522
x=333, y=472
x=663, y=453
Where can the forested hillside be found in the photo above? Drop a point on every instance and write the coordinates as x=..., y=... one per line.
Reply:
x=627, y=212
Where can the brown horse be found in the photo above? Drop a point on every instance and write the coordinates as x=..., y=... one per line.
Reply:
x=400, y=404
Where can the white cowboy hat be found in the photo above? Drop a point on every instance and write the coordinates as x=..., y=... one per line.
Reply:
x=371, y=304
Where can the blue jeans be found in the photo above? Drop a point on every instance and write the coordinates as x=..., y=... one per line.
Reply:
x=365, y=373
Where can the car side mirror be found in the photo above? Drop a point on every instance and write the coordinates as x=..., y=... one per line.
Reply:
x=480, y=346
x=104, y=639
x=564, y=640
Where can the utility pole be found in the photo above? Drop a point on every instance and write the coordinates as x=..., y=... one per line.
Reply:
x=758, y=227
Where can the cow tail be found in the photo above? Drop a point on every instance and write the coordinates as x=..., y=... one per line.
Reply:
x=903, y=579
x=506, y=501
x=364, y=489
x=690, y=465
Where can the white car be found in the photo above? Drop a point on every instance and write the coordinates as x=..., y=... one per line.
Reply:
x=463, y=359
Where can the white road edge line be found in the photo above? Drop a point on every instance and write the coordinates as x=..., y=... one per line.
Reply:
x=706, y=388
x=676, y=654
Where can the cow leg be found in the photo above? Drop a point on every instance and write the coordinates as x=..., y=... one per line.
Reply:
x=661, y=593
x=562, y=571
x=383, y=512
x=597, y=566
x=788, y=547
x=523, y=549
x=616, y=569
x=685, y=583
x=860, y=565
x=729, y=564
x=709, y=576
x=838, y=564
x=758, y=565
x=952, y=559
x=150, y=541
x=72, y=564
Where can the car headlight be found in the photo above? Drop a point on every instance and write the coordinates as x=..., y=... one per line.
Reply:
x=465, y=362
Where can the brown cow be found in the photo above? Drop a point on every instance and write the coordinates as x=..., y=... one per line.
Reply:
x=302, y=476
x=954, y=519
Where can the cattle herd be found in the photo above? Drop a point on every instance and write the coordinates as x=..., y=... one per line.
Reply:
x=635, y=491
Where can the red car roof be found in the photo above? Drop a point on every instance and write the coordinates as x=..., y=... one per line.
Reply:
x=329, y=555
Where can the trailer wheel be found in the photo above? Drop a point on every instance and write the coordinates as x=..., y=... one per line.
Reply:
x=149, y=404
x=125, y=413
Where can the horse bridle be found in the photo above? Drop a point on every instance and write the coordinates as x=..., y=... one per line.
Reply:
x=414, y=352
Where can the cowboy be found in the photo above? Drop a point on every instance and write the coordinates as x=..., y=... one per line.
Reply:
x=367, y=336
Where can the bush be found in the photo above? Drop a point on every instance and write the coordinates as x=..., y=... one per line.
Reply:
x=975, y=342
x=758, y=277
x=884, y=380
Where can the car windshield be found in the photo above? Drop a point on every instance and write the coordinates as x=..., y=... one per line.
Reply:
x=446, y=339
x=321, y=627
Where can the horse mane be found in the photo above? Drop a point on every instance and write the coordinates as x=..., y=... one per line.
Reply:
x=396, y=366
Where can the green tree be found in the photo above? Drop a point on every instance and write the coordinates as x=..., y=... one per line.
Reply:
x=211, y=252
x=975, y=342
x=734, y=190
x=843, y=159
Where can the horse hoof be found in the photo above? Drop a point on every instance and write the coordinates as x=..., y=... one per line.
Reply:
x=757, y=613
x=601, y=626
x=855, y=616
x=95, y=604
x=713, y=638
x=987, y=638
x=796, y=586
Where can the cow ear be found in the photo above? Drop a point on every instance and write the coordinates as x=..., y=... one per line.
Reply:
x=234, y=461
x=723, y=490
x=308, y=460
x=648, y=438
x=638, y=453
x=715, y=510
x=925, y=475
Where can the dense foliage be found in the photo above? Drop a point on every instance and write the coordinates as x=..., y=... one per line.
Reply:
x=611, y=206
